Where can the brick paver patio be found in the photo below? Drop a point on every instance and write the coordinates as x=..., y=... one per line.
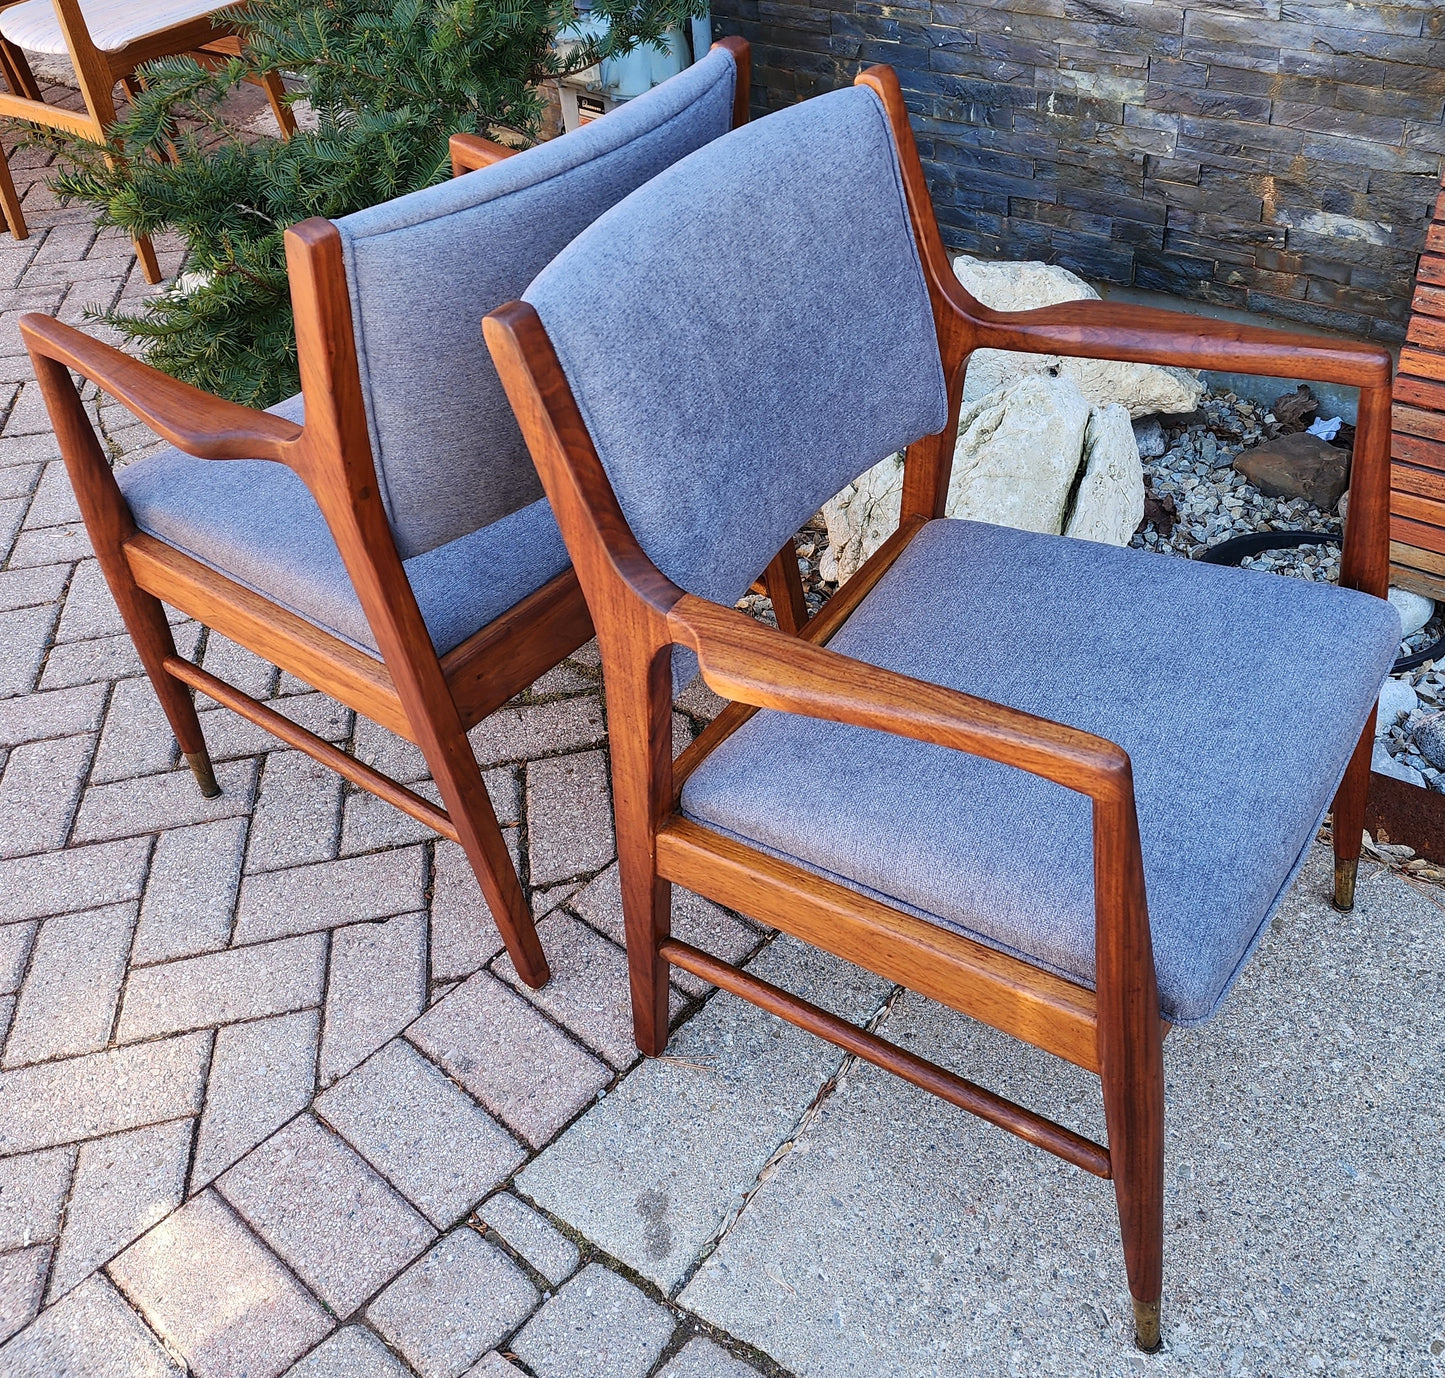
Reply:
x=272, y=1101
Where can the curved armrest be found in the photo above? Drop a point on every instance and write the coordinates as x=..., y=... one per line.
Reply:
x=749, y=663
x=471, y=151
x=194, y=421
x=1140, y=334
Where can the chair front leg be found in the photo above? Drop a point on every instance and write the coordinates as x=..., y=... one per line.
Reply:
x=108, y=523
x=1348, y=818
x=464, y=793
x=1131, y=1056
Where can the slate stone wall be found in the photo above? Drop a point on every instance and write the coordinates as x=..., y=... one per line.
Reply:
x=1275, y=156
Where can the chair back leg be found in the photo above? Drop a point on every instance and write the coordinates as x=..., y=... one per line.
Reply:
x=275, y=90
x=18, y=75
x=108, y=523
x=1348, y=822
x=10, y=200
x=641, y=794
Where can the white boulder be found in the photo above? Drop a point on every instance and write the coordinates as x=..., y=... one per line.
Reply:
x=1109, y=504
x=861, y=518
x=1145, y=389
x=1397, y=698
x=1018, y=455
x=1414, y=610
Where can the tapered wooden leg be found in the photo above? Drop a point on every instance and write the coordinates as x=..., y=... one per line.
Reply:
x=454, y=768
x=275, y=90
x=1131, y=1054
x=18, y=75
x=109, y=525
x=1134, y=1111
x=10, y=199
x=785, y=588
x=144, y=249
x=145, y=620
x=149, y=265
x=1348, y=824
x=641, y=792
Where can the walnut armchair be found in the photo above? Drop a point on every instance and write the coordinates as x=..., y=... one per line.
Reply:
x=106, y=40
x=382, y=535
x=1078, y=846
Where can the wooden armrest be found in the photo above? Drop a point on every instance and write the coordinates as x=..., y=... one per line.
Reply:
x=471, y=151
x=750, y=663
x=194, y=421
x=1139, y=334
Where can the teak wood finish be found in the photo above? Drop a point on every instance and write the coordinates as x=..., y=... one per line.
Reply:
x=409, y=690
x=96, y=73
x=1116, y=1030
x=1417, y=498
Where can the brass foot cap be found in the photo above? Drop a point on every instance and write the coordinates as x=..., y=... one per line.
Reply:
x=200, y=764
x=1146, y=1326
x=1345, y=873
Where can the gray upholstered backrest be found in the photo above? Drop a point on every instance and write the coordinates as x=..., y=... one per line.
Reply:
x=747, y=333
x=424, y=269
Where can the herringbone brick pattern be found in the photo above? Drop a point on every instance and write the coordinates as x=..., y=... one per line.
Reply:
x=262, y=1058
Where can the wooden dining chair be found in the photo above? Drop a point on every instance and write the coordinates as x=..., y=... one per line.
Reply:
x=106, y=40
x=1056, y=785
x=382, y=535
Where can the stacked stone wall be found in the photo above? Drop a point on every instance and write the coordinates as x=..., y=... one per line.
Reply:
x=1270, y=156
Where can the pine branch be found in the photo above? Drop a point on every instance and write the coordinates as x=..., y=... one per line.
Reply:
x=389, y=81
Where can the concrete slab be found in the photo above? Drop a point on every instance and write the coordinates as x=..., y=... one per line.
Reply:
x=33, y=1187
x=326, y=1213
x=588, y=993
x=214, y=1293
x=1303, y=1191
x=546, y=1248
x=91, y=1332
x=701, y=1358
x=523, y=1069
x=694, y=920
x=352, y=1352
x=262, y=1073
x=123, y=1185
x=652, y=1172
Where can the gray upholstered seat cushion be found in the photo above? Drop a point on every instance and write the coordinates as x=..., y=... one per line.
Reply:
x=1239, y=697
x=111, y=24
x=255, y=522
